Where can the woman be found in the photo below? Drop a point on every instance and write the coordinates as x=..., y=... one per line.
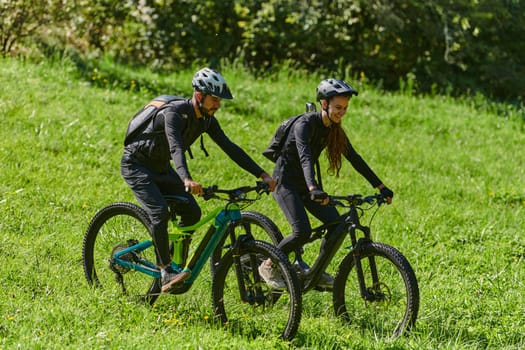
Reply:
x=298, y=191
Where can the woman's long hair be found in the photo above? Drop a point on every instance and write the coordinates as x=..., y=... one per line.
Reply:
x=335, y=147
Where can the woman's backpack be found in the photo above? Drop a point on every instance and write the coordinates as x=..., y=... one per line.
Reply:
x=273, y=151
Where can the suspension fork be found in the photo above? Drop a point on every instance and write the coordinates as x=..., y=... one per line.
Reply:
x=358, y=245
x=236, y=253
x=238, y=243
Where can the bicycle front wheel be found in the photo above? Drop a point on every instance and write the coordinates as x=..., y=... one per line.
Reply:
x=252, y=224
x=246, y=304
x=392, y=297
x=259, y=226
x=114, y=228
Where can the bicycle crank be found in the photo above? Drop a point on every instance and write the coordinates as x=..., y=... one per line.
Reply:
x=130, y=257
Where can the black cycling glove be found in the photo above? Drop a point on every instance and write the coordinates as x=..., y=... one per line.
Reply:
x=318, y=195
x=386, y=193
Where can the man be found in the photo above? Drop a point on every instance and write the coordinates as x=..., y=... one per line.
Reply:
x=146, y=168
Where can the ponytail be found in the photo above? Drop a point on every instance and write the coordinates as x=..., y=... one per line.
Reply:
x=336, y=146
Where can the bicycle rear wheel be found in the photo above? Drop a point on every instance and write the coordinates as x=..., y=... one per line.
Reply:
x=394, y=303
x=246, y=304
x=114, y=228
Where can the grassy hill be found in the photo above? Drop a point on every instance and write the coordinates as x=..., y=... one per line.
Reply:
x=456, y=167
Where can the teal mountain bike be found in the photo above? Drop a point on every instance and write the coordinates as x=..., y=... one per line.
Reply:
x=119, y=256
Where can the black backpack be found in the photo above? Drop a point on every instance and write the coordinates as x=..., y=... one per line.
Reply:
x=273, y=151
x=141, y=120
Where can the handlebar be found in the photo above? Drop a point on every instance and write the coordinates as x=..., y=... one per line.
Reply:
x=236, y=194
x=355, y=200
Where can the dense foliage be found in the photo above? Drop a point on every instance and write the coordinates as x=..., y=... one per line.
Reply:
x=458, y=46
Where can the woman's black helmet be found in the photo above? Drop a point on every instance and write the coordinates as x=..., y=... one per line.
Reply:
x=209, y=81
x=333, y=87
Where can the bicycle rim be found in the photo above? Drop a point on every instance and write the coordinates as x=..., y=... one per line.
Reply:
x=112, y=229
x=395, y=309
x=245, y=304
x=253, y=224
x=260, y=227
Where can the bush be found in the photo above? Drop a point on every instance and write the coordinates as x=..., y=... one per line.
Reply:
x=458, y=47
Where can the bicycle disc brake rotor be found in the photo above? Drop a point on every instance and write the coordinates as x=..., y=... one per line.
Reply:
x=382, y=296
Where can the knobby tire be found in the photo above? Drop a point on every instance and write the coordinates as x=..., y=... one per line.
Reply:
x=253, y=224
x=262, y=310
x=112, y=227
x=396, y=312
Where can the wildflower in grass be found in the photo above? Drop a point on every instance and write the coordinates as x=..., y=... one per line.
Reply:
x=174, y=321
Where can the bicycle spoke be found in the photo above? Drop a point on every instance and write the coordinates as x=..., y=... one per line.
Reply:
x=112, y=231
x=391, y=303
x=247, y=305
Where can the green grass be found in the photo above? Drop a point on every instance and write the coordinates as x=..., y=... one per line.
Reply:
x=456, y=168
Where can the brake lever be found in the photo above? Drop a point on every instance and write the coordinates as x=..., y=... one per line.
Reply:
x=209, y=192
x=262, y=187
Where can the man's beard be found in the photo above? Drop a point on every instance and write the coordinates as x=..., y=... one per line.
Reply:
x=206, y=112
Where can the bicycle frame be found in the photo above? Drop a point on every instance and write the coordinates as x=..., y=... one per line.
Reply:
x=214, y=235
x=217, y=230
x=347, y=224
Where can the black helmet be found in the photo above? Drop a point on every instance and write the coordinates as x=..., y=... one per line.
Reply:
x=210, y=82
x=332, y=87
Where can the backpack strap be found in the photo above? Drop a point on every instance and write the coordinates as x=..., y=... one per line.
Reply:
x=156, y=103
x=203, y=148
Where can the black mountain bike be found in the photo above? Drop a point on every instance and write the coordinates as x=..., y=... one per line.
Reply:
x=375, y=286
